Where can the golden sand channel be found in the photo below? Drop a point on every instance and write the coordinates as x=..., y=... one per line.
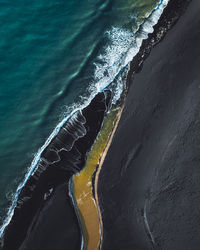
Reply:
x=87, y=204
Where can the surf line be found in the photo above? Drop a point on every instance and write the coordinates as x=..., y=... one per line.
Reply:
x=154, y=17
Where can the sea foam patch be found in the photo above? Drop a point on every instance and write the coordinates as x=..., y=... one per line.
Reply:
x=123, y=47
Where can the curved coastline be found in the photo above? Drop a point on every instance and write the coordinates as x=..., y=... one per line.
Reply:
x=58, y=128
x=35, y=162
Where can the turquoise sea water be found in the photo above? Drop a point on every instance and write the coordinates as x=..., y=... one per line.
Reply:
x=53, y=55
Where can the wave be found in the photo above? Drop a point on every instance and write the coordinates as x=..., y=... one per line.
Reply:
x=122, y=48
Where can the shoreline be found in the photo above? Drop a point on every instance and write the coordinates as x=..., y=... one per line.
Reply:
x=33, y=168
x=54, y=170
x=129, y=74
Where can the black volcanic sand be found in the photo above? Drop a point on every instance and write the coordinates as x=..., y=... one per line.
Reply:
x=149, y=185
x=44, y=218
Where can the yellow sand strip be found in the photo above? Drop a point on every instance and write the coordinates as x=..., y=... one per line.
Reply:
x=88, y=208
x=99, y=170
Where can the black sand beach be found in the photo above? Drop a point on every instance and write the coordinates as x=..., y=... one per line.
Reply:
x=149, y=190
x=149, y=184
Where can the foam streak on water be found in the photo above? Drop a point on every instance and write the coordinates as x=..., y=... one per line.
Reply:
x=117, y=55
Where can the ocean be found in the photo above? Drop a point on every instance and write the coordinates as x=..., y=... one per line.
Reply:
x=55, y=56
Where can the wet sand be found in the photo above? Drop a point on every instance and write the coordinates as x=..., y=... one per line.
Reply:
x=149, y=182
x=44, y=217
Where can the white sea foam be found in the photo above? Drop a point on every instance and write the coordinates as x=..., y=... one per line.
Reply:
x=123, y=47
x=117, y=55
